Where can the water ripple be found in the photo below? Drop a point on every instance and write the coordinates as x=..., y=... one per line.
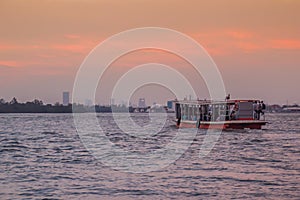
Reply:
x=42, y=157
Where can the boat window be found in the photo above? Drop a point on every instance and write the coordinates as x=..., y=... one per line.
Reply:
x=245, y=110
x=178, y=110
x=190, y=112
x=185, y=112
x=194, y=116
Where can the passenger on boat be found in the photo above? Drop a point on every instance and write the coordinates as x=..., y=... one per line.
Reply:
x=178, y=121
x=205, y=117
x=209, y=116
x=257, y=110
x=227, y=97
x=234, y=111
x=233, y=115
x=262, y=107
x=201, y=113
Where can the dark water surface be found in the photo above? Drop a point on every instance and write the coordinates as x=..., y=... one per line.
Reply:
x=43, y=157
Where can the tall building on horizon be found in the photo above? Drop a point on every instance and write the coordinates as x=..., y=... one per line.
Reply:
x=142, y=103
x=66, y=98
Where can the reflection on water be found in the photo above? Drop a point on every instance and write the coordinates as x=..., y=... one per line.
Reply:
x=42, y=157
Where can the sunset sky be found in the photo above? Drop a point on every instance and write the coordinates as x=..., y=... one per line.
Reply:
x=255, y=44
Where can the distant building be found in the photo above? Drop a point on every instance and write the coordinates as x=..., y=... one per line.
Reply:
x=88, y=102
x=170, y=104
x=112, y=101
x=142, y=103
x=66, y=98
x=123, y=103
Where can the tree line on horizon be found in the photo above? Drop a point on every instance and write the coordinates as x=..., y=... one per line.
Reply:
x=37, y=106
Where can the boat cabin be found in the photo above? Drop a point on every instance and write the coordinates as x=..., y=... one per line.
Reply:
x=230, y=113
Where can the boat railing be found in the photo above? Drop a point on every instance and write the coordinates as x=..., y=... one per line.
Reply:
x=223, y=111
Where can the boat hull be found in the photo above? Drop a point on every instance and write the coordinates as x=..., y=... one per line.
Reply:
x=234, y=124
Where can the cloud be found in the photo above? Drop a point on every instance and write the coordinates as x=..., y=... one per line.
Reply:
x=229, y=42
x=46, y=56
x=74, y=48
x=10, y=63
x=9, y=46
x=250, y=46
x=238, y=34
x=287, y=44
x=69, y=53
x=5, y=67
x=72, y=36
x=224, y=42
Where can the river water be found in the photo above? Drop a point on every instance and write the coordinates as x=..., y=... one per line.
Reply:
x=42, y=156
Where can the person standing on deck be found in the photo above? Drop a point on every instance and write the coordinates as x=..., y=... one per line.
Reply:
x=227, y=97
x=262, y=107
x=256, y=110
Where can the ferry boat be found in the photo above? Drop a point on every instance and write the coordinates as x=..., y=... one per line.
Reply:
x=227, y=114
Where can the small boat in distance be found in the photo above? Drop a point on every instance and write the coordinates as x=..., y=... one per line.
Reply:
x=227, y=114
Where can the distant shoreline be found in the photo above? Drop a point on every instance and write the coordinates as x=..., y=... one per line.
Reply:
x=37, y=106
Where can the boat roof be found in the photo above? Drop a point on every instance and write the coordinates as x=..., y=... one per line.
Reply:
x=205, y=102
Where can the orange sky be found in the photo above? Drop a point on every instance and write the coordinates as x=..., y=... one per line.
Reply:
x=255, y=44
